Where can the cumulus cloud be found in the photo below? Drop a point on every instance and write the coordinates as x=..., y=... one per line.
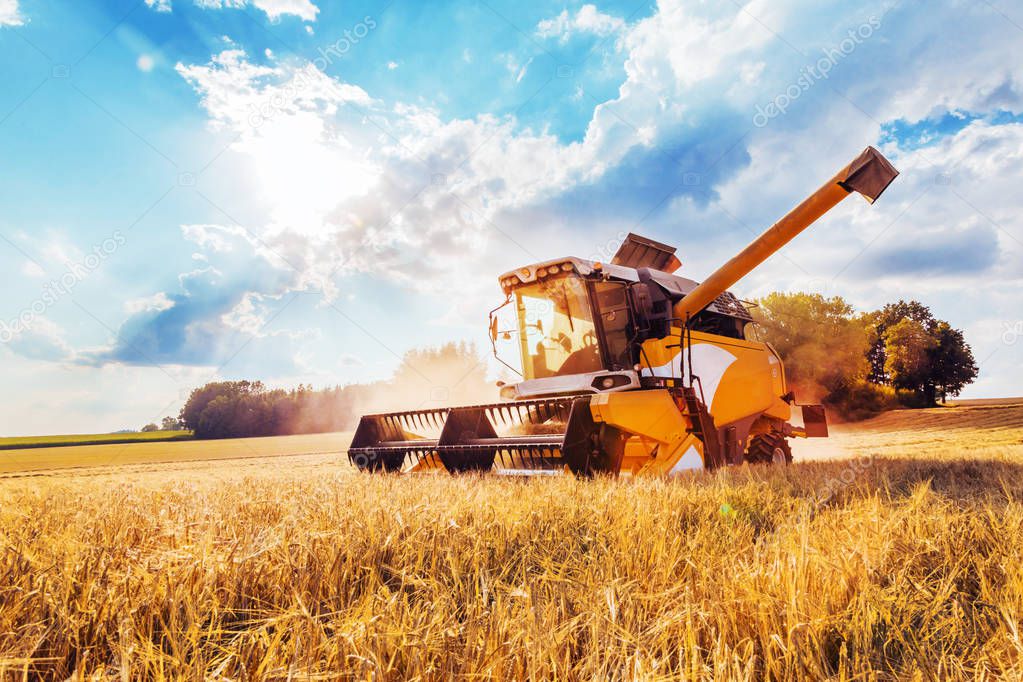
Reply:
x=356, y=184
x=205, y=323
x=42, y=340
x=9, y=14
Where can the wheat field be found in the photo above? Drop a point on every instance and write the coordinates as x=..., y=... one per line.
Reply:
x=896, y=555
x=131, y=456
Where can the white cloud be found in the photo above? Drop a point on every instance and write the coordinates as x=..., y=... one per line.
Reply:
x=274, y=9
x=32, y=269
x=246, y=317
x=9, y=15
x=351, y=195
x=215, y=238
x=516, y=68
x=587, y=20
x=522, y=71
x=156, y=302
x=304, y=9
x=392, y=65
x=58, y=397
x=399, y=193
x=41, y=340
x=220, y=4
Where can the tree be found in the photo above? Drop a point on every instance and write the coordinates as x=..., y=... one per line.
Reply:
x=914, y=351
x=171, y=424
x=908, y=345
x=952, y=363
x=823, y=342
x=880, y=321
x=148, y=428
x=200, y=398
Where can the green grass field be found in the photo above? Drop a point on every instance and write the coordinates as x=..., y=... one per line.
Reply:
x=23, y=442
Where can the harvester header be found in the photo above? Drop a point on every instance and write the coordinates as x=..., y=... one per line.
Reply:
x=627, y=368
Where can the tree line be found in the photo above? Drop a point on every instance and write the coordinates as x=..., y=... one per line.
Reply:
x=863, y=363
x=428, y=377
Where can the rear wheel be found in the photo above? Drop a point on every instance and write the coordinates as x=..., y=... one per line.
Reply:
x=769, y=448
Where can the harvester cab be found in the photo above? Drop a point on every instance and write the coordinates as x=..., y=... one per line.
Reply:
x=627, y=368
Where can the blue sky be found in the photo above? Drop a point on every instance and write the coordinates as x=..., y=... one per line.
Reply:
x=301, y=191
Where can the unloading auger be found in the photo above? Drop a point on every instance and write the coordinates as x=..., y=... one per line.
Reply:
x=627, y=368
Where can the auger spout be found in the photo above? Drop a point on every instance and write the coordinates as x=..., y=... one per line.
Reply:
x=869, y=174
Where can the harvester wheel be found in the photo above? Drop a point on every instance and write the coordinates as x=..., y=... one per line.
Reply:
x=769, y=448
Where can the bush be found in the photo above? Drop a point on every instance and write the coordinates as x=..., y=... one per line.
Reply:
x=861, y=400
x=912, y=398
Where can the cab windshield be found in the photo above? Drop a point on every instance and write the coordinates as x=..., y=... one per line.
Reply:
x=556, y=328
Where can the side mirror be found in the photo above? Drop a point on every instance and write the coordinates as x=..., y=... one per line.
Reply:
x=642, y=301
x=493, y=328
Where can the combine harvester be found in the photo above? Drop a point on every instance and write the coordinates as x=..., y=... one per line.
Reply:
x=627, y=368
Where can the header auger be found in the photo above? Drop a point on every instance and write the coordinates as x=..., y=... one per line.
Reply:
x=626, y=368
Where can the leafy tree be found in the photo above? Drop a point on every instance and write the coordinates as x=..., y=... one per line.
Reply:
x=219, y=418
x=907, y=355
x=880, y=321
x=200, y=398
x=913, y=351
x=952, y=363
x=170, y=424
x=149, y=428
x=823, y=343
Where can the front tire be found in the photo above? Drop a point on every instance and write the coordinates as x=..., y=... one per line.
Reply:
x=769, y=448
